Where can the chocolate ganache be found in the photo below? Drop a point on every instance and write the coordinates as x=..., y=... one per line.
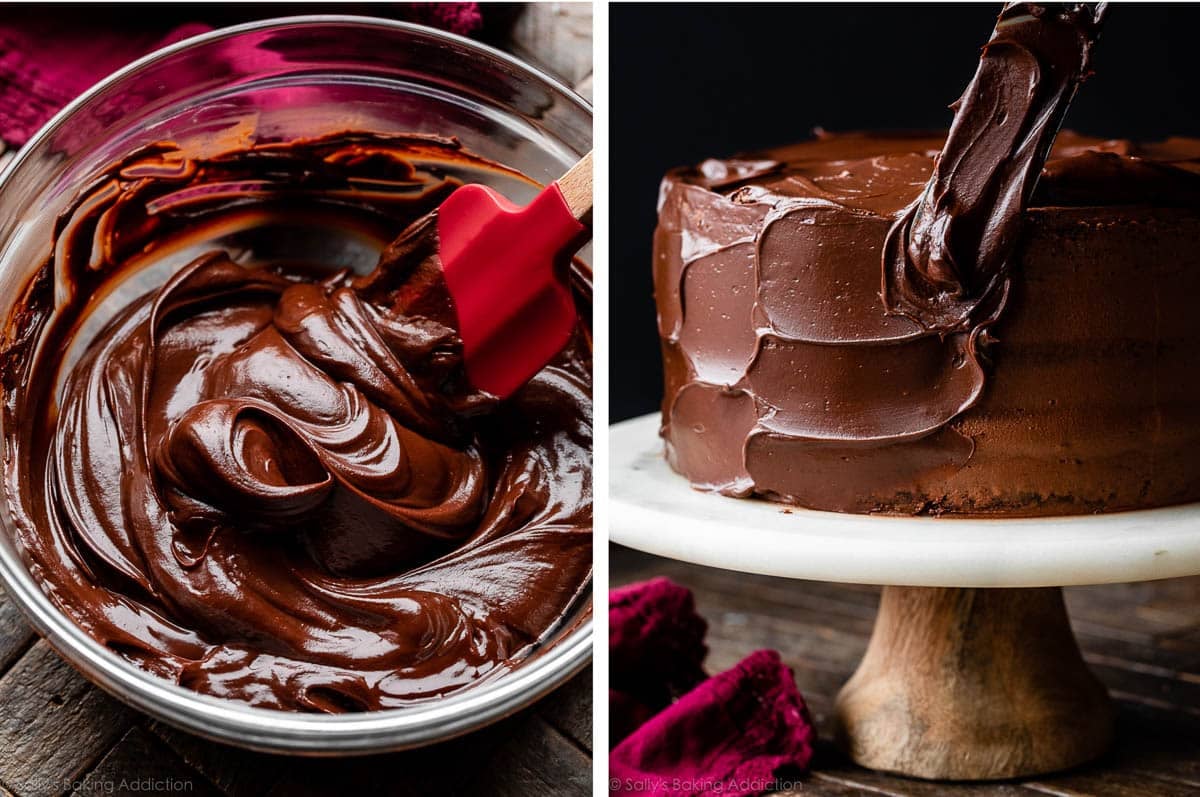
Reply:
x=787, y=378
x=270, y=481
x=1030, y=351
x=946, y=258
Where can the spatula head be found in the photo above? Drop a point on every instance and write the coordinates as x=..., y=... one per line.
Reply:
x=505, y=268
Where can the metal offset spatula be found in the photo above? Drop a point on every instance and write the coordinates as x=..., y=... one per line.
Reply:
x=505, y=267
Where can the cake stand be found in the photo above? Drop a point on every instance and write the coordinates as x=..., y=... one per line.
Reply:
x=972, y=672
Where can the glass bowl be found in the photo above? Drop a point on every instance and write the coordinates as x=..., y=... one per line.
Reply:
x=291, y=78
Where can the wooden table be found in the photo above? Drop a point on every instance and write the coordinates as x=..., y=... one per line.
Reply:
x=1142, y=640
x=58, y=732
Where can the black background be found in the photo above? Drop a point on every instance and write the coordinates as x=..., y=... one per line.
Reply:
x=694, y=81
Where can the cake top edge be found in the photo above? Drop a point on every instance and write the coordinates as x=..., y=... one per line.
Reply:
x=884, y=172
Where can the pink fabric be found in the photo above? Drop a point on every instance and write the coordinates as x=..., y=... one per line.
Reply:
x=461, y=18
x=656, y=649
x=43, y=67
x=626, y=714
x=48, y=57
x=675, y=732
x=732, y=735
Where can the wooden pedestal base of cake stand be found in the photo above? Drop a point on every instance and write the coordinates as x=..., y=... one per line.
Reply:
x=972, y=672
x=971, y=684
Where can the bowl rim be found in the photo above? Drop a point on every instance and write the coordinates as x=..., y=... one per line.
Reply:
x=275, y=730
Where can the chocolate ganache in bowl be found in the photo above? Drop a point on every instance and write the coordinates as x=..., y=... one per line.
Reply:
x=241, y=457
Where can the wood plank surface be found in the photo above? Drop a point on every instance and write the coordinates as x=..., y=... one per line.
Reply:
x=54, y=725
x=1141, y=640
x=59, y=733
x=15, y=634
x=139, y=763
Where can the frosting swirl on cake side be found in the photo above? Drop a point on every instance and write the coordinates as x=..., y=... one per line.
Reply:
x=785, y=375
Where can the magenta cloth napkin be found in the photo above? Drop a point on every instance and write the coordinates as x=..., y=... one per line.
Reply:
x=48, y=57
x=731, y=734
x=656, y=651
x=43, y=67
x=461, y=18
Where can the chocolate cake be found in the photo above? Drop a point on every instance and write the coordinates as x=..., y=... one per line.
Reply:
x=969, y=324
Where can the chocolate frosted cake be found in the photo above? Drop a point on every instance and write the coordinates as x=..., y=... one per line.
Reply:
x=973, y=324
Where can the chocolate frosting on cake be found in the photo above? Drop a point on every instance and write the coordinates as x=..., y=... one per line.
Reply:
x=273, y=484
x=786, y=376
x=946, y=260
x=791, y=374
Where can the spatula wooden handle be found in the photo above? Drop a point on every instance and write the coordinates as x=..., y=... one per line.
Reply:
x=576, y=187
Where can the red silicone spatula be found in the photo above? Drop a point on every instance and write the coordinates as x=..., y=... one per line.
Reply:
x=505, y=267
